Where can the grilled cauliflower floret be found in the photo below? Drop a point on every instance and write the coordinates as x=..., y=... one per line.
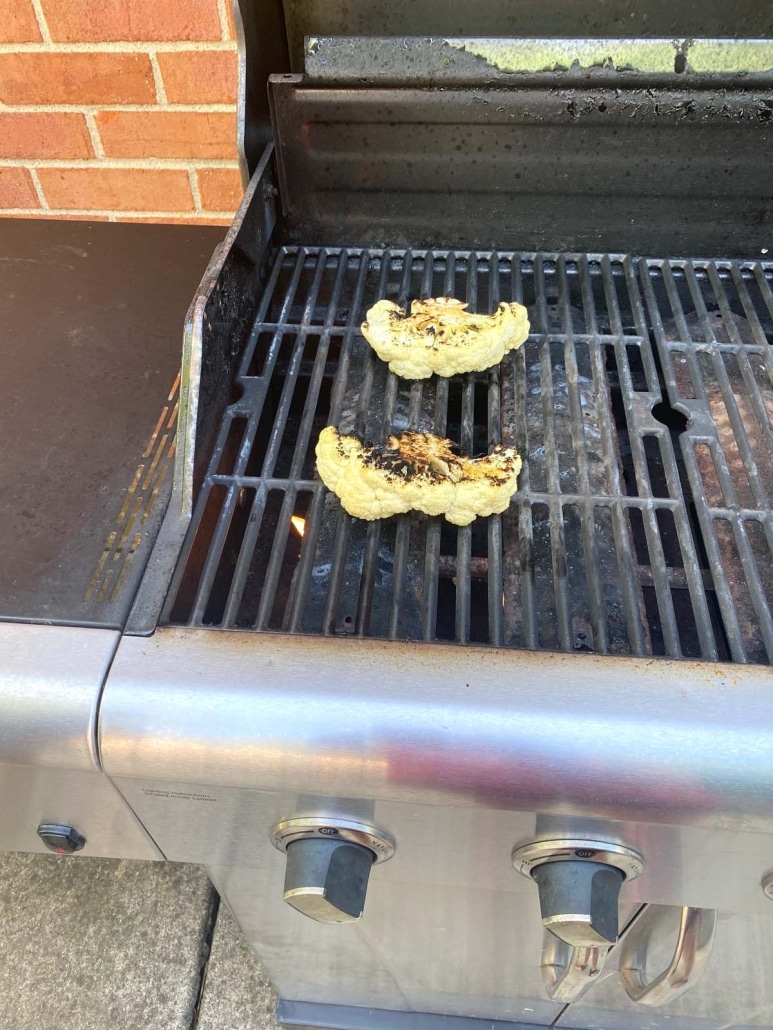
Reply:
x=441, y=336
x=415, y=472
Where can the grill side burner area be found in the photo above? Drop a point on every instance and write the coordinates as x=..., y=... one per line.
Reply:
x=642, y=407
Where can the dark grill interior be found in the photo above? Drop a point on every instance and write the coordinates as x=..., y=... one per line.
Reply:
x=642, y=406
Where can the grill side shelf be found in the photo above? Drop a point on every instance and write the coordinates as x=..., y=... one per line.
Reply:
x=611, y=543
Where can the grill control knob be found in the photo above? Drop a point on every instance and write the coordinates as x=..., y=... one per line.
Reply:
x=328, y=865
x=579, y=884
x=578, y=901
x=327, y=879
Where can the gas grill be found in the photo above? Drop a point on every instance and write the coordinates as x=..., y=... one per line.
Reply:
x=525, y=764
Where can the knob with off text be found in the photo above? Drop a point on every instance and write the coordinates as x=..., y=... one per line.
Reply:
x=328, y=865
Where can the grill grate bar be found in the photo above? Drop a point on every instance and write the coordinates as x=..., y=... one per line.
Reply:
x=432, y=561
x=213, y=556
x=627, y=571
x=631, y=532
x=302, y=581
x=579, y=430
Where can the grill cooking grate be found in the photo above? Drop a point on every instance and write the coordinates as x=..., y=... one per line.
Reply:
x=642, y=406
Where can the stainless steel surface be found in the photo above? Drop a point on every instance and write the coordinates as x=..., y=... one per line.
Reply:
x=735, y=992
x=50, y=682
x=554, y=61
x=568, y=972
x=528, y=857
x=289, y=830
x=692, y=952
x=448, y=926
x=610, y=545
x=34, y=794
x=304, y=1014
x=685, y=743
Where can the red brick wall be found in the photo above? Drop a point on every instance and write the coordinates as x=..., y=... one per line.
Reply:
x=118, y=110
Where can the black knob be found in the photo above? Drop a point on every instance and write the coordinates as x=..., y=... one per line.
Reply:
x=578, y=900
x=327, y=879
x=64, y=840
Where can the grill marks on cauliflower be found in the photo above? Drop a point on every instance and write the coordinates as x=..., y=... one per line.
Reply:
x=440, y=336
x=415, y=472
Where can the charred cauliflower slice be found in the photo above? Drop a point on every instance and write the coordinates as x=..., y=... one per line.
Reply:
x=415, y=472
x=441, y=336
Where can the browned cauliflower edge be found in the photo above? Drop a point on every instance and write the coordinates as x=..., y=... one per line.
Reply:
x=415, y=472
x=440, y=336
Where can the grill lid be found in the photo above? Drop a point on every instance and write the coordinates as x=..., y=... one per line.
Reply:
x=642, y=406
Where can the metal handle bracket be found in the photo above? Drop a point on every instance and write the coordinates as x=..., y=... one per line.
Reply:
x=568, y=972
x=692, y=952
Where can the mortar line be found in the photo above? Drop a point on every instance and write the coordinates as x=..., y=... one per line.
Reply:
x=41, y=20
x=38, y=189
x=116, y=47
x=158, y=80
x=134, y=213
x=223, y=15
x=130, y=108
x=195, y=192
x=96, y=139
x=120, y=162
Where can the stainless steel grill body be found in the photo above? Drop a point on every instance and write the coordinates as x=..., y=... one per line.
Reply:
x=215, y=737
x=593, y=664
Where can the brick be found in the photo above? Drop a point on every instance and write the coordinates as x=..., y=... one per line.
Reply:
x=167, y=133
x=221, y=188
x=87, y=21
x=44, y=134
x=18, y=23
x=47, y=78
x=16, y=189
x=117, y=189
x=203, y=77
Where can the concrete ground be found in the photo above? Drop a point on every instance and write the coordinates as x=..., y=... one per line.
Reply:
x=99, y=944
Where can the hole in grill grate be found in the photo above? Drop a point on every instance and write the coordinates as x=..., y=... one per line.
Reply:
x=623, y=538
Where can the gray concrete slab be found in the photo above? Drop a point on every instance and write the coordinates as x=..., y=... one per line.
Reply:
x=237, y=994
x=100, y=944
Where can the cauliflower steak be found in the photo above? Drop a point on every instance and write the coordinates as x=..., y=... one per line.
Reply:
x=441, y=336
x=415, y=472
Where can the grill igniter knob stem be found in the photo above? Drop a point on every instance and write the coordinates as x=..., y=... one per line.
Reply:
x=579, y=885
x=328, y=865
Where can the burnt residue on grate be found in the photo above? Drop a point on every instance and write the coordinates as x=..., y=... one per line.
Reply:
x=642, y=407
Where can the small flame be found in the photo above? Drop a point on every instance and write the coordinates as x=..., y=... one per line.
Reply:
x=299, y=524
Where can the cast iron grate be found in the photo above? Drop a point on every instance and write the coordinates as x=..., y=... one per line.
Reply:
x=642, y=405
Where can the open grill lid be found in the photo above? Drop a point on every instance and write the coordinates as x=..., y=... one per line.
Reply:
x=521, y=125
